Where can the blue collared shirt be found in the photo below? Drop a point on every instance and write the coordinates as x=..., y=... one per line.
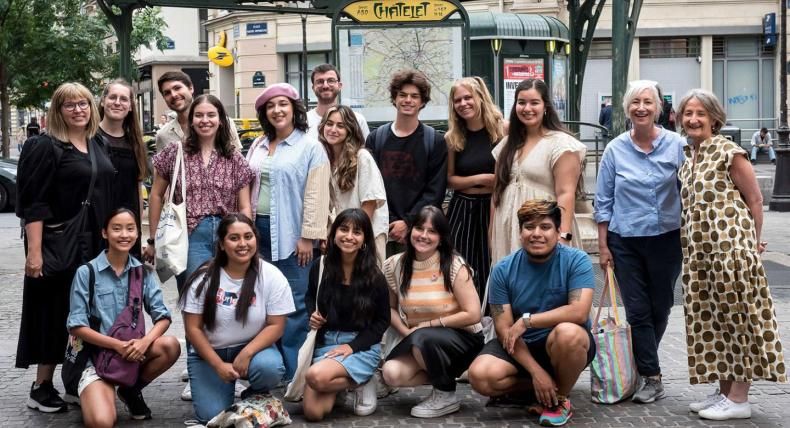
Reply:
x=638, y=192
x=111, y=294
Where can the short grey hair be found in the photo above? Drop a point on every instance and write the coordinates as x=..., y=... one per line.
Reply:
x=710, y=102
x=635, y=88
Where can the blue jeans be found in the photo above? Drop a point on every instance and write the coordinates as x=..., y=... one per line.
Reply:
x=211, y=395
x=201, y=247
x=296, y=327
x=769, y=149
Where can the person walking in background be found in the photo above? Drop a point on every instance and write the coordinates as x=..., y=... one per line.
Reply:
x=356, y=180
x=290, y=200
x=761, y=142
x=475, y=127
x=33, y=128
x=349, y=306
x=235, y=310
x=539, y=159
x=435, y=309
x=731, y=328
x=411, y=156
x=637, y=208
x=54, y=179
x=605, y=116
x=326, y=86
x=122, y=135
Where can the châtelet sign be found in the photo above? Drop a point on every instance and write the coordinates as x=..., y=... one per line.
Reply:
x=393, y=11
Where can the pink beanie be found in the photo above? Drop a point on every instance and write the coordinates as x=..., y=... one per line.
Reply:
x=276, y=90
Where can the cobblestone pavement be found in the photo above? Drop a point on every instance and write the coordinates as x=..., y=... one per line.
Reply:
x=770, y=402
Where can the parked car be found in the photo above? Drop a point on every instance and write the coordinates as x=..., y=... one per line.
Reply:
x=7, y=183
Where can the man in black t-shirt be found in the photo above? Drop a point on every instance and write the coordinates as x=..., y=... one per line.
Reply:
x=412, y=156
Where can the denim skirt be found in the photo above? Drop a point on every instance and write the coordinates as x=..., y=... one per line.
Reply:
x=360, y=365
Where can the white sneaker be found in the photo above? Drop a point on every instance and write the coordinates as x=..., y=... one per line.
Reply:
x=239, y=388
x=439, y=403
x=707, y=402
x=185, y=376
x=186, y=394
x=727, y=409
x=365, y=398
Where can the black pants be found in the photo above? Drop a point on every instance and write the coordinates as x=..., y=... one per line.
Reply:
x=447, y=352
x=647, y=267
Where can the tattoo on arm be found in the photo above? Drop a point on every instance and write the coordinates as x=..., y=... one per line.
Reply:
x=574, y=295
x=497, y=310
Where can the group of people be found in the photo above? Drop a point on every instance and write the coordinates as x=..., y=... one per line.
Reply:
x=326, y=225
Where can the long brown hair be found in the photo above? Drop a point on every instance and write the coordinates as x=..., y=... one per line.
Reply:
x=223, y=141
x=344, y=168
x=132, y=130
x=517, y=134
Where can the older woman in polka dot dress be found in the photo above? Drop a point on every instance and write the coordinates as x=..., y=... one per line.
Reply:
x=731, y=329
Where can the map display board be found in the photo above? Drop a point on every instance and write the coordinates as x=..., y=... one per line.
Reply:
x=369, y=56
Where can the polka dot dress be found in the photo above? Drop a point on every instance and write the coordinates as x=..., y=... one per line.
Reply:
x=731, y=330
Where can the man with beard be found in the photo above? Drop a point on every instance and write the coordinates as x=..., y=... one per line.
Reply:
x=177, y=90
x=540, y=298
x=327, y=86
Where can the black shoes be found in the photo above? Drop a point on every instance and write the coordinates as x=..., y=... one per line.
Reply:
x=134, y=403
x=45, y=398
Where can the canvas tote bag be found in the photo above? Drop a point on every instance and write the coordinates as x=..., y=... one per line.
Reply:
x=172, y=233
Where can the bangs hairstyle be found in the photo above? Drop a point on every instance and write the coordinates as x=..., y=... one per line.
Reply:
x=117, y=212
x=487, y=111
x=344, y=168
x=131, y=127
x=56, y=124
x=299, y=120
x=536, y=209
x=410, y=77
x=222, y=141
x=710, y=103
x=517, y=137
x=366, y=273
x=445, y=248
x=635, y=88
x=211, y=269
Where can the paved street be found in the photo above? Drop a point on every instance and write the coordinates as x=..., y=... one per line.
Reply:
x=770, y=402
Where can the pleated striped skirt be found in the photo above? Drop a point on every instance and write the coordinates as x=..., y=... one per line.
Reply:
x=469, y=216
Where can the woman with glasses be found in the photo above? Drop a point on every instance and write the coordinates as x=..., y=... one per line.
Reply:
x=54, y=178
x=121, y=132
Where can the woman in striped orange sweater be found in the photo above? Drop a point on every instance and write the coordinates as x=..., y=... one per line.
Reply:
x=435, y=308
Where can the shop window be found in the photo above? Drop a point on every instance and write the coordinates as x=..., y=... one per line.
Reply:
x=293, y=71
x=669, y=47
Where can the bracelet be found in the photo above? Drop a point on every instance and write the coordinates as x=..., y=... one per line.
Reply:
x=441, y=322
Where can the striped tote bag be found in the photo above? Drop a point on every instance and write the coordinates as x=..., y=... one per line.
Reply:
x=613, y=374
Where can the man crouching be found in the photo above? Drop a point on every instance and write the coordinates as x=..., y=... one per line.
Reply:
x=540, y=297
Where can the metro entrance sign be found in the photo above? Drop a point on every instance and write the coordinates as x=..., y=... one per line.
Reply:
x=391, y=11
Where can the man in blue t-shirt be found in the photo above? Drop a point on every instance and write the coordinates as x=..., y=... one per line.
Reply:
x=540, y=297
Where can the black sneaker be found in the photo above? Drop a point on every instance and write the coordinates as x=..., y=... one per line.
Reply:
x=134, y=403
x=45, y=398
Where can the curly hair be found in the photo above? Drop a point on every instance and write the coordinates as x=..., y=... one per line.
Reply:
x=410, y=77
x=344, y=168
x=486, y=110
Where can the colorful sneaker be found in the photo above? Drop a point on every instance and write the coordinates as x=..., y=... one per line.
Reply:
x=558, y=415
x=707, y=402
x=650, y=390
x=439, y=403
x=365, y=400
x=45, y=398
x=133, y=399
x=726, y=409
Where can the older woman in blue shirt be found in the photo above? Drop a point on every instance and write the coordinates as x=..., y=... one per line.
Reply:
x=637, y=208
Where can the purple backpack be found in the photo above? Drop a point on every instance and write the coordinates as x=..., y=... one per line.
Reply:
x=130, y=324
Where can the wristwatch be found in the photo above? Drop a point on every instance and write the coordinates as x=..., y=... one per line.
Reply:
x=150, y=241
x=525, y=318
x=566, y=236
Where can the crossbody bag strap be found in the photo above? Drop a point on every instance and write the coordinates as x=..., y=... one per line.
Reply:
x=92, y=147
x=320, y=278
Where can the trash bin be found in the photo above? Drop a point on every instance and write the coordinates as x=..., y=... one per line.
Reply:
x=732, y=133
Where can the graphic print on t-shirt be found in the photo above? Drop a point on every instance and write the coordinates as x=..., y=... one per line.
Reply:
x=396, y=164
x=230, y=298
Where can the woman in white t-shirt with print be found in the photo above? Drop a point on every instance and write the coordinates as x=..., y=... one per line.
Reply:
x=233, y=333
x=356, y=180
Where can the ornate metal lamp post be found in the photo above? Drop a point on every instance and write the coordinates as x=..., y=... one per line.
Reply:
x=780, y=200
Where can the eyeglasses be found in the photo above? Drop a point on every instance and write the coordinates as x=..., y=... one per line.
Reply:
x=83, y=105
x=320, y=82
x=119, y=99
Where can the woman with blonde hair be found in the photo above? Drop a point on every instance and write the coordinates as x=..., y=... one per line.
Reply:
x=356, y=179
x=731, y=328
x=476, y=125
x=58, y=172
x=539, y=159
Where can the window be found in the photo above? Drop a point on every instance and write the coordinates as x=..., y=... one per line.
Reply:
x=203, y=32
x=600, y=49
x=293, y=71
x=669, y=47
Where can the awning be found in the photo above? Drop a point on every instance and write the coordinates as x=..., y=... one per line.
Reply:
x=485, y=25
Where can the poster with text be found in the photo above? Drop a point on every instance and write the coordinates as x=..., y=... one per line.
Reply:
x=559, y=86
x=514, y=71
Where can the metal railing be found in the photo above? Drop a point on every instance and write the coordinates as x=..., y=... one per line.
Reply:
x=600, y=139
x=746, y=133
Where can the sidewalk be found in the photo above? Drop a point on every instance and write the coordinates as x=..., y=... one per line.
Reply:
x=770, y=401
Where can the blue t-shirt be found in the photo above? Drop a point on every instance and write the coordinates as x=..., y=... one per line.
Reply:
x=539, y=287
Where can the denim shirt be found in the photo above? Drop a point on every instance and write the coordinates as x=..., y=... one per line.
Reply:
x=111, y=294
x=638, y=192
x=294, y=160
